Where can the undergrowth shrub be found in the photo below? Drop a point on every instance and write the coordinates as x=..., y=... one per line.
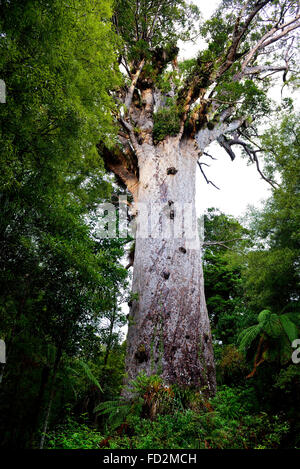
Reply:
x=169, y=417
x=73, y=435
x=161, y=417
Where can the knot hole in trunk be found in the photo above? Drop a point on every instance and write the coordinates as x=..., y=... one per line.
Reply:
x=171, y=170
x=141, y=354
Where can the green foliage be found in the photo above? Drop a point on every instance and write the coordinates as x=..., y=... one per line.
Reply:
x=250, y=98
x=231, y=364
x=118, y=411
x=135, y=22
x=248, y=336
x=149, y=397
x=272, y=274
x=288, y=379
x=58, y=66
x=217, y=30
x=225, y=242
x=91, y=377
x=58, y=280
x=166, y=122
x=271, y=278
x=230, y=420
x=73, y=435
x=62, y=287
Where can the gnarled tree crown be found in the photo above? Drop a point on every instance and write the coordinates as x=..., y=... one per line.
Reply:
x=219, y=95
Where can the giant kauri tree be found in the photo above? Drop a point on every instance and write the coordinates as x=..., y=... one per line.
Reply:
x=169, y=113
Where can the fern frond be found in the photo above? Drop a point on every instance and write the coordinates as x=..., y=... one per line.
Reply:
x=272, y=325
x=264, y=315
x=247, y=336
x=289, y=327
x=117, y=411
x=285, y=349
x=89, y=374
x=294, y=317
x=108, y=407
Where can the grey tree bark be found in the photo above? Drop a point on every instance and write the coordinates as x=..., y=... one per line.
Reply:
x=169, y=332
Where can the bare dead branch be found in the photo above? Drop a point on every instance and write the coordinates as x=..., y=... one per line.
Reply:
x=205, y=177
x=227, y=145
x=205, y=135
x=270, y=37
x=210, y=156
x=222, y=243
x=272, y=183
x=264, y=68
x=223, y=141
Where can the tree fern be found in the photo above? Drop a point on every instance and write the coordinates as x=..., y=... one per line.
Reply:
x=144, y=390
x=294, y=317
x=276, y=333
x=284, y=349
x=116, y=412
x=263, y=315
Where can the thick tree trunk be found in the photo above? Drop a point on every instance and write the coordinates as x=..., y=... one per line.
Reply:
x=169, y=332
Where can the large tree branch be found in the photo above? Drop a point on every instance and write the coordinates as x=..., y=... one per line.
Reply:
x=222, y=243
x=154, y=21
x=270, y=37
x=129, y=96
x=131, y=135
x=205, y=136
x=263, y=68
x=233, y=55
x=121, y=160
x=127, y=178
x=238, y=34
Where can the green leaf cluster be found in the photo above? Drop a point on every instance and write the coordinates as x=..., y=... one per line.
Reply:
x=166, y=122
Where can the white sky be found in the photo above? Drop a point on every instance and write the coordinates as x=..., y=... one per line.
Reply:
x=240, y=185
